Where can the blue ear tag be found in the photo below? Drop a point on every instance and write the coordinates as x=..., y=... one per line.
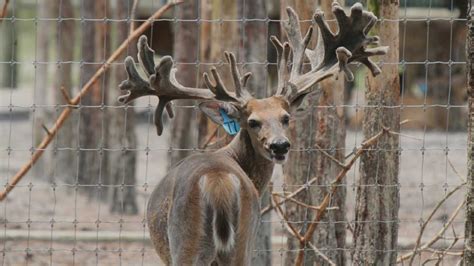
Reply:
x=230, y=125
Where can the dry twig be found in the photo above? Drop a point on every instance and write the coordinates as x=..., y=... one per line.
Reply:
x=425, y=223
x=319, y=253
x=316, y=208
x=332, y=158
x=334, y=186
x=4, y=10
x=463, y=178
x=288, y=225
x=438, y=236
x=324, y=206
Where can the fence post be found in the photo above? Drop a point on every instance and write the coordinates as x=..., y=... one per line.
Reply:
x=469, y=228
x=377, y=198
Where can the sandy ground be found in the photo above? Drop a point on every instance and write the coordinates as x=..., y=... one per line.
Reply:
x=425, y=177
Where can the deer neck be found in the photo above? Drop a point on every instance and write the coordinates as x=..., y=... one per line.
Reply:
x=257, y=168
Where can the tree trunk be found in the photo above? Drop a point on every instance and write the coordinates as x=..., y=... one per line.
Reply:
x=469, y=227
x=377, y=199
x=64, y=152
x=254, y=54
x=330, y=236
x=8, y=52
x=43, y=90
x=217, y=38
x=324, y=127
x=297, y=171
x=121, y=130
x=92, y=131
x=185, y=54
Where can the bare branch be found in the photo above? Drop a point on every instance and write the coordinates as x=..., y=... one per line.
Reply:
x=283, y=216
x=341, y=174
x=4, y=10
x=84, y=90
x=436, y=237
x=463, y=178
x=302, y=204
x=320, y=254
x=425, y=223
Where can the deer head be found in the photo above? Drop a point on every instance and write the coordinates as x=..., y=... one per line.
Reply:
x=265, y=120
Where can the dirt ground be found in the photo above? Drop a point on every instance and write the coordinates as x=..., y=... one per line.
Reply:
x=36, y=205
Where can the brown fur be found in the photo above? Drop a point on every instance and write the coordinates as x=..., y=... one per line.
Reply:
x=180, y=221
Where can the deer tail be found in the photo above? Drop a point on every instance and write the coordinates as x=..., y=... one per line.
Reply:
x=221, y=192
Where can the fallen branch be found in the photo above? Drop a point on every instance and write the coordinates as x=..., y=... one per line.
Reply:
x=85, y=89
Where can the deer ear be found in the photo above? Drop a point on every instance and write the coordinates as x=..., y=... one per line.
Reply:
x=215, y=109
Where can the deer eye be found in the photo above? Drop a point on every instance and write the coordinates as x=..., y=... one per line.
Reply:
x=285, y=120
x=254, y=123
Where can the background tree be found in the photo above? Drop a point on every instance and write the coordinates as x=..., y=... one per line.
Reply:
x=64, y=151
x=377, y=198
x=92, y=127
x=8, y=52
x=60, y=159
x=218, y=37
x=330, y=136
x=322, y=128
x=42, y=88
x=254, y=50
x=121, y=137
x=185, y=53
x=248, y=39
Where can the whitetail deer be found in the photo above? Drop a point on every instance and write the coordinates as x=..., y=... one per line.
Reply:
x=206, y=209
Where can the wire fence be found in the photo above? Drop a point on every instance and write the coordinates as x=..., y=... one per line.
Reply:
x=58, y=215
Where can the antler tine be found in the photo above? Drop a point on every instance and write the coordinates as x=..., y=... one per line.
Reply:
x=334, y=51
x=161, y=83
x=218, y=88
x=283, y=52
x=134, y=84
x=297, y=43
x=240, y=83
x=146, y=56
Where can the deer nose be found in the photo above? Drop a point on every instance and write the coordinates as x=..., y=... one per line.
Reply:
x=280, y=146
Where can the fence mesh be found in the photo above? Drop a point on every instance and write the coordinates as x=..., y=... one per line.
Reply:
x=55, y=218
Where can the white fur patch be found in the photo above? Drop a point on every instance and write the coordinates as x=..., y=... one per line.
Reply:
x=220, y=246
x=224, y=202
